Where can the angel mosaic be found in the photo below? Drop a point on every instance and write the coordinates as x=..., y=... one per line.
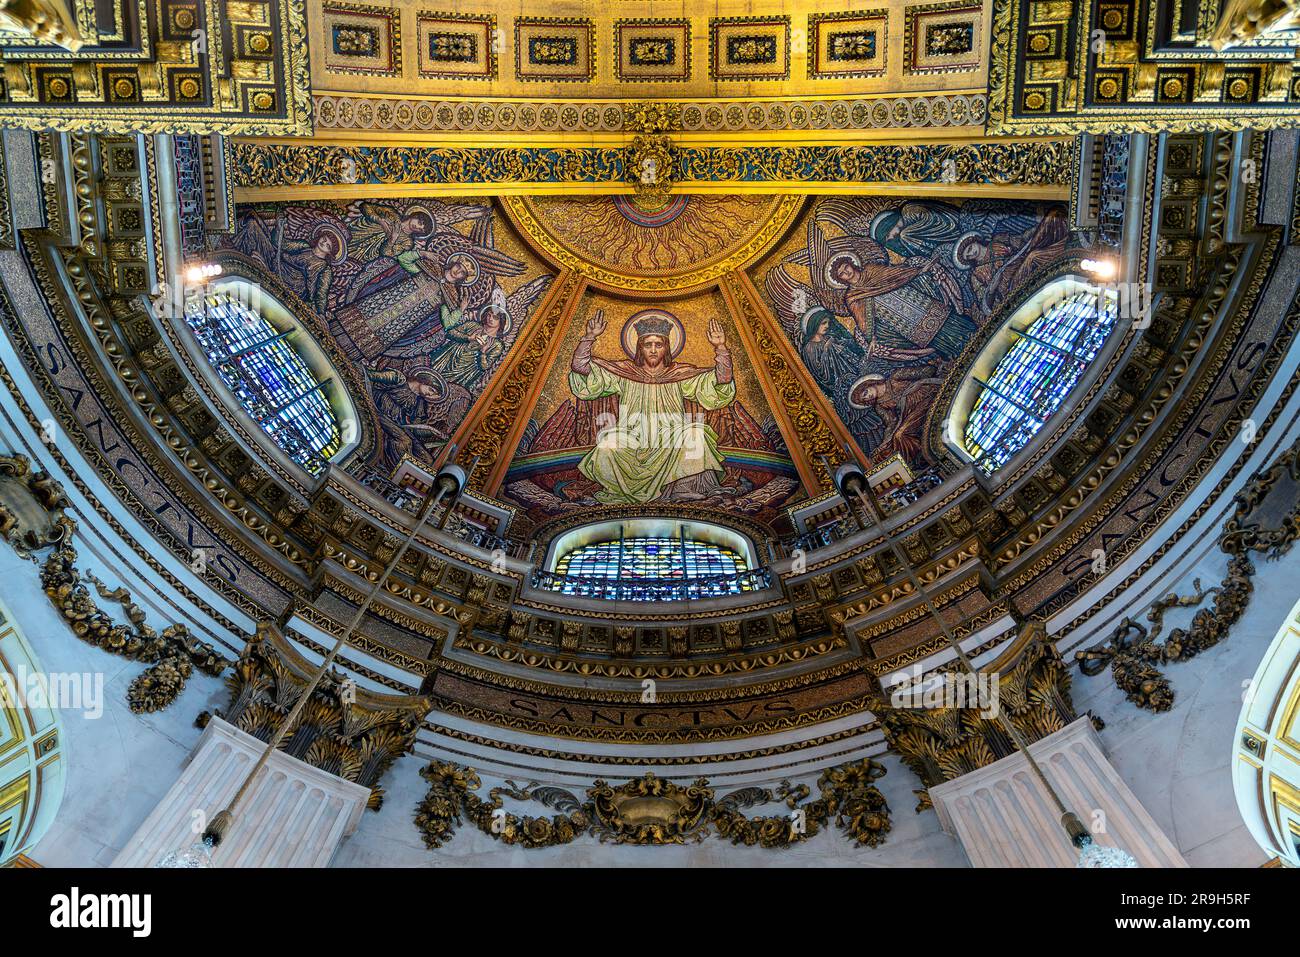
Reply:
x=884, y=295
x=412, y=292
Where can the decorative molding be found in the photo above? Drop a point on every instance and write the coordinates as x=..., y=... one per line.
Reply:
x=1048, y=76
x=389, y=114
x=842, y=45
x=224, y=67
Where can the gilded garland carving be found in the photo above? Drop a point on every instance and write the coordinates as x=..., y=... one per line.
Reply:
x=172, y=655
x=1266, y=520
x=653, y=811
x=32, y=519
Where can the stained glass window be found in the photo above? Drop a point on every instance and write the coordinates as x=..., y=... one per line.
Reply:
x=640, y=565
x=266, y=374
x=1031, y=381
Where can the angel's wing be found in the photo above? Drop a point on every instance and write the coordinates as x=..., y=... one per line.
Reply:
x=788, y=295
x=445, y=242
x=372, y=227
x=449, y=214
x=520, y=302
x=256, y=239
x=852, y=216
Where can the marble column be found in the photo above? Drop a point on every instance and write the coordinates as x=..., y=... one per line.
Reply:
x=295, y=815
x=1004, y=818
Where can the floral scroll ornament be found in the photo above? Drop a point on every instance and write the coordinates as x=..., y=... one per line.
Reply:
x=652, y=160
x=654, y=811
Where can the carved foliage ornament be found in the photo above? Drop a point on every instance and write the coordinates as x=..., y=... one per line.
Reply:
x=345, y=730
x=1266, y=520
x=652, y=811
x=940, y=744
x=173, y=654
x=32, y=519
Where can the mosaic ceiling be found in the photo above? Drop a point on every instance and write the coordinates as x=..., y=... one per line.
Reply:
x=870, y=300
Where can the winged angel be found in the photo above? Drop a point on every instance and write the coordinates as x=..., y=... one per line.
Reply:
x=880, y=304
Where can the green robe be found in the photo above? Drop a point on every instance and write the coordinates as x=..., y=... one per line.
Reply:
x=653, y=443
x=461, y=360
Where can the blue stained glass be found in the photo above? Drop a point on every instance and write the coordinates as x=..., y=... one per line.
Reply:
x=269, y=378
x=1034, y=377
x=646, y=559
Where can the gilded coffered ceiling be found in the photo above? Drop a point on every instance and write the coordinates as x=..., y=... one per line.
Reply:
x=492, y=66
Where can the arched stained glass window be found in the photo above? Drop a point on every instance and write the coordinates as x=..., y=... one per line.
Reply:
x=263, y=370
x=651, y=558
x=1031, y=381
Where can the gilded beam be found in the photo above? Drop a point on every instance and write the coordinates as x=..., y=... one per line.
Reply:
x=270, y=170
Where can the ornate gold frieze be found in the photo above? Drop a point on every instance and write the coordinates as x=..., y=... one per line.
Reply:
x=655, y=811
x=279, y=170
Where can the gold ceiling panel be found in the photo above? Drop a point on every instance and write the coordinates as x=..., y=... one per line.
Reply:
x=688, y=243
x=613, y=49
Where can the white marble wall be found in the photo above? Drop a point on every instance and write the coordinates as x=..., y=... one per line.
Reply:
x=1005, y=817
x=294, y=815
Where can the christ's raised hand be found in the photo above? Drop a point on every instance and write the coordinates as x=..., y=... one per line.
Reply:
x=717, y=336
x=595, y=325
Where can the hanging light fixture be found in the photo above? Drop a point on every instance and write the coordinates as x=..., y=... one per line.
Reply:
x=195, y=857
x=450, y=479
x=852, y=483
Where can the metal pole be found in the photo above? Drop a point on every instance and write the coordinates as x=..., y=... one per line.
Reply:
x=216, y=829
x=1069, y=820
